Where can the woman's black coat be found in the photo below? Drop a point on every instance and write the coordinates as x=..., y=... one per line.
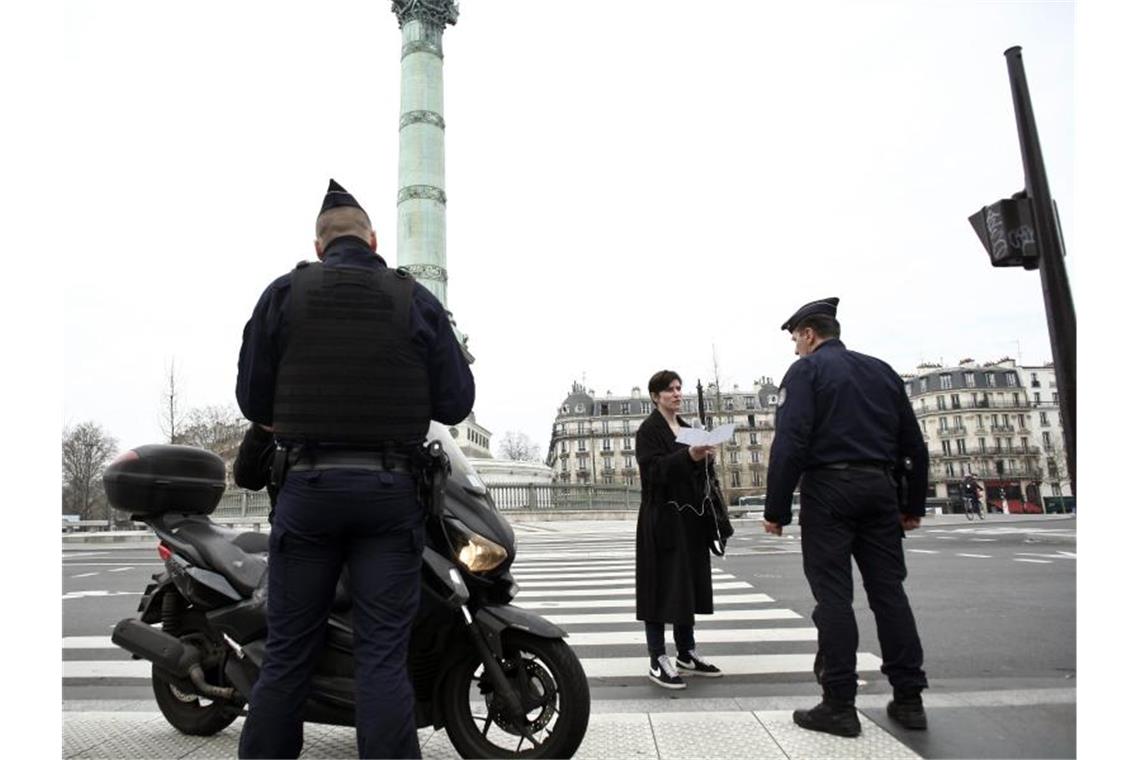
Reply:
x=674, y=575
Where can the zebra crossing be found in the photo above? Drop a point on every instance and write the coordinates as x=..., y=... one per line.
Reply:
x=582, y=579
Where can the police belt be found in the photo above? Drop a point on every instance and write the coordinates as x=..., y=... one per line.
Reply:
x=379, y=461
x=861, y=466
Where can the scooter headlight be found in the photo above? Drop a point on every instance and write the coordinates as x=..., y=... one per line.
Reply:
x=474, y=552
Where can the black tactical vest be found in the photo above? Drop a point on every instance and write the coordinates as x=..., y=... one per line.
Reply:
x=350, y=373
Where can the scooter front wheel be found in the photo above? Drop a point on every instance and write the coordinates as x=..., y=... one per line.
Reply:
x=552, y=687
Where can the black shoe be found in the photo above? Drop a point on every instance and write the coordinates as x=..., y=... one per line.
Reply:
x=831, y=717
x=697, y=665
x=907, y=709
x=662, y=673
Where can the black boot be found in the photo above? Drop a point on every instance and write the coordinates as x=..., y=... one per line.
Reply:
x=832, y=716
x=906, y=708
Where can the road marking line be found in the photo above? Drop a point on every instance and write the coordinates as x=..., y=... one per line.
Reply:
x=120, y=569
x=82, y=594
x=625, y=617
x=1037, y=561
x=628, y=604
x=567, y=583
x=923, y=551
x=975, y=556
x=84, y=575
x=983, y=540
x=595, y=667
x=1045, y=556
x=622, y=591
x=707, y=636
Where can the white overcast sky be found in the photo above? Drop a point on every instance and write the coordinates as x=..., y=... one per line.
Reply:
x=629, y=184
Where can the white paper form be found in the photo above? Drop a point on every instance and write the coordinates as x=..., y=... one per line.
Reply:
x=695, y=436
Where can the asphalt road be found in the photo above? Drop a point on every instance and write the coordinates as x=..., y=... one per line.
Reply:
x=995, y=604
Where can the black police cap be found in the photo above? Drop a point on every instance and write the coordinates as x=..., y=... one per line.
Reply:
x=826, y=307
x=337, y=196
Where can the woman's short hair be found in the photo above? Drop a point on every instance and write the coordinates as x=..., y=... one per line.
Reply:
x=662, y=380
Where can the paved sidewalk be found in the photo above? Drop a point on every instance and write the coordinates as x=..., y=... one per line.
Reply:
x=667, y=728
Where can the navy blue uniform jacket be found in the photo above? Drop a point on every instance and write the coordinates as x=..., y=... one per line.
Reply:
x=264, y=340
x=836, y=406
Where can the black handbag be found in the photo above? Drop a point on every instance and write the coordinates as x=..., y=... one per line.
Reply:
x=716, y=511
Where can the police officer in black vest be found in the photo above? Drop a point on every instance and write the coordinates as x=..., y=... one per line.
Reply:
x=844, y=423
x=346, y=361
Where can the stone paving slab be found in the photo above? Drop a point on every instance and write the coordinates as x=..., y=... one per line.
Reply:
x=667, y=735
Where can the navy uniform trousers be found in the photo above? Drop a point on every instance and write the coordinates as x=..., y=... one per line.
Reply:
x=322, y=521
x=854, y=513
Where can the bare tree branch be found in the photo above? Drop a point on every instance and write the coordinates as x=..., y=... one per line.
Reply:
x=517, y=447
x=86, y=450
x=172, y=417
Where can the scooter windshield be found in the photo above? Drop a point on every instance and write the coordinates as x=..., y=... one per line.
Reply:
x=461, y=469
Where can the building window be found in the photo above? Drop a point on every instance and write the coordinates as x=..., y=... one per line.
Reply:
x=958, y=422
x=749, y=402
x=1056, y=488
x=908, y=390
x=734, y=457
x=944, y=382
x=605, y=444
x=565, y=465
x=946, y=448
x=625, y=407
x=991, y=379
x=1015, y=398
x=627, y=444
x=1011, y=378
x=941, y=402
x=1024, y=444
x=755, y=479
x=581, y=444
x=942, y=423
x=628, y=462
x=981, y=445
x=687, y=405
x=922, y=385
x=1054, y=397
x=729, y=403
x=955, y=401
x=736, y=479
x=961, y=445
x=1036, y=398
x=1046, y=440
x=581, y=428
x=564, y=447
x=969, y=378
x=752, y=438
x=755, y=457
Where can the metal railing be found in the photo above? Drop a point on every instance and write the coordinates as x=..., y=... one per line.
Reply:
x=570, y=496
x=241, y=507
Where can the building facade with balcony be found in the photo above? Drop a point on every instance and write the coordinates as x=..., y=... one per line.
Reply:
x=997, y=421
x=593, y=437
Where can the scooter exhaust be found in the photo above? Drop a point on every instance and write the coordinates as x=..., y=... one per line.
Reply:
x=168, y=653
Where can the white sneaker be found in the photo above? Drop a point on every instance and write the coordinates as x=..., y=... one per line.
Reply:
x=662, y=673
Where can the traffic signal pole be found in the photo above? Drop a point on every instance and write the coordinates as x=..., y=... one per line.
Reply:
x=1059, y=311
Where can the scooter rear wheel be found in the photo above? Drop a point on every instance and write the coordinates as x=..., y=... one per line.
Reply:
x=553, y=687
x=191, y=713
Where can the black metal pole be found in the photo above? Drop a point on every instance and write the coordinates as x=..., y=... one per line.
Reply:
x=1059, y=311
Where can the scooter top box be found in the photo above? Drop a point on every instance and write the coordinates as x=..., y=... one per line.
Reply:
x=158, y=478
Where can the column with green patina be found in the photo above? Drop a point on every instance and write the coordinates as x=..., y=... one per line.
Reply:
x=421, y=202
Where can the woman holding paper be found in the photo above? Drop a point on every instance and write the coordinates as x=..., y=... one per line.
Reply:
x=674, y=574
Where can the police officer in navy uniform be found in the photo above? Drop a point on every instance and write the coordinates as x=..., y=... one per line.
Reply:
x=346, y=361
x=844, y=423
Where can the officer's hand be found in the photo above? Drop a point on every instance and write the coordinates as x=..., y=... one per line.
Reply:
x=909, y=522
x=775, y=528
x=700, y=452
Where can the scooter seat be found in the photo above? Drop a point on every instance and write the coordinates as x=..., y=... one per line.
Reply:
x=237, y=555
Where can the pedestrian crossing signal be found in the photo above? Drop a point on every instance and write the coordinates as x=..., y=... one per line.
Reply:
x=1008, y=232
